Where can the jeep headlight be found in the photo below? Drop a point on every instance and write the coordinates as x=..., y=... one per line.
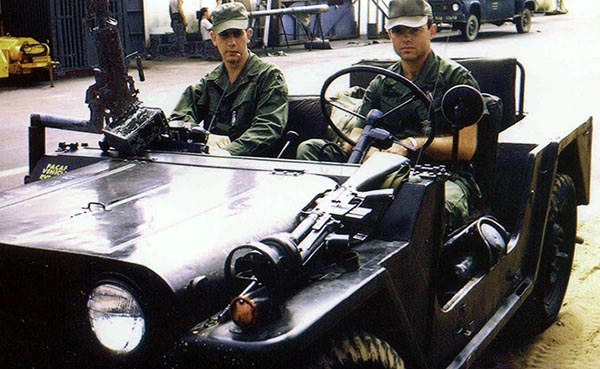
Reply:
x=116, y=318
x=455, y=7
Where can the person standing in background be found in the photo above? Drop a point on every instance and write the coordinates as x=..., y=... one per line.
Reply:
x=205, y=24
x=207, y=51
x=178, y=23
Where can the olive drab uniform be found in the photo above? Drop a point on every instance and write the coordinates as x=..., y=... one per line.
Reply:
x=436, y=77
x=252, y=111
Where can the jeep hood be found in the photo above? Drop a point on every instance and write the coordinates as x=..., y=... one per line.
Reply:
x=178, y=221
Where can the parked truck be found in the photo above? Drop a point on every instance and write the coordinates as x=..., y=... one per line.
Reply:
x=467, y=16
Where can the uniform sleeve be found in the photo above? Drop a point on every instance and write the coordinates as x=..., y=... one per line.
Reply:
x=188, y=107
x=463, y=76
x=270, y=118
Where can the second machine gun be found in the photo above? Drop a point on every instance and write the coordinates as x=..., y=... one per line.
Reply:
x=115, y=109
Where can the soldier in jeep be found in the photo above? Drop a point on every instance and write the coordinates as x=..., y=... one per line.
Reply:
x=411, y=28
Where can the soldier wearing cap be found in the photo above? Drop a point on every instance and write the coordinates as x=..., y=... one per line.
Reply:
x=243, y=102
x=410, y=28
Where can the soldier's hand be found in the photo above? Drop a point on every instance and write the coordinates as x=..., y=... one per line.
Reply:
x=218, y=141
x=398, y=150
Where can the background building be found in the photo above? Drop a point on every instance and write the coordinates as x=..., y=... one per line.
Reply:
x=62, y=23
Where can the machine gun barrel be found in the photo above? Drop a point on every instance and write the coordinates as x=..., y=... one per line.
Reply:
x=115, y=109
x=59, y=122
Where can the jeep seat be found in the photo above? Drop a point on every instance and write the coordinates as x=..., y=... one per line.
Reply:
x=306, y=119
x=483, y=164
x=498, y=77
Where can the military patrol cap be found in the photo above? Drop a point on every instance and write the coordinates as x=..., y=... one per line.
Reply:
x=231, y=15
x=408, y=13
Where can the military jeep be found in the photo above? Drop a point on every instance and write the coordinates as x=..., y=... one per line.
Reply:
x=147, y=252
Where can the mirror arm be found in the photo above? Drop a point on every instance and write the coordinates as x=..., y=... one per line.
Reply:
x=455, y=145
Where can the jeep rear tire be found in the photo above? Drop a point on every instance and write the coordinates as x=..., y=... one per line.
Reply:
x=470, y=29
x=542, y=306
x=523, y=21
x=357, y=350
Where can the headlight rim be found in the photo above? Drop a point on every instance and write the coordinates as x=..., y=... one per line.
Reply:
x=131, y=288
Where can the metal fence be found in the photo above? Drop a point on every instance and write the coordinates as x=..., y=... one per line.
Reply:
x=69, y=36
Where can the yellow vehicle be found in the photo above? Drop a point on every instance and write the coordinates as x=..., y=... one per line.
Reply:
x=22, y=55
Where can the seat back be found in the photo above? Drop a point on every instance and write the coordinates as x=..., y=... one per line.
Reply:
x=306, y=119
x=484, y=161
x=498, y=77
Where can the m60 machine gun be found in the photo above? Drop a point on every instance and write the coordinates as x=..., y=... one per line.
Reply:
x=328, y=227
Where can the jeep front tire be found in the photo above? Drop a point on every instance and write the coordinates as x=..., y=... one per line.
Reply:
x=357, y=350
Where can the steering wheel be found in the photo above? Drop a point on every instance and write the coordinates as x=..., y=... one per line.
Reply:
x=417, y=93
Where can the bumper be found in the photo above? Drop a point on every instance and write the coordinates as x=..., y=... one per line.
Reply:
x=450, y=18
